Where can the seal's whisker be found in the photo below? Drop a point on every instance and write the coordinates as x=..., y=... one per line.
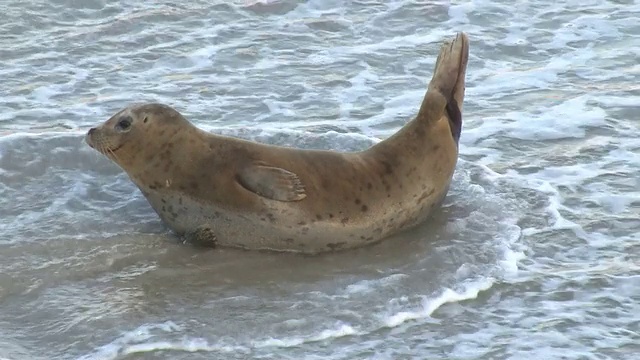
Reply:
x=113, y=155
x=100, y=147
x=104, y=149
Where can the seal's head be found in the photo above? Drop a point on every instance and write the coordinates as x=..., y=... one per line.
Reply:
x=132, y=134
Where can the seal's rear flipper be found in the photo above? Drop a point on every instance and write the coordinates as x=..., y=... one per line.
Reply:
x=272, y=182
x=446, y=89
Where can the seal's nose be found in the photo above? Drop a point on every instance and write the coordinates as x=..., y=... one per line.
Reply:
x=87, y=138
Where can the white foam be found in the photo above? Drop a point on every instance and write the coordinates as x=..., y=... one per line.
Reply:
x=187, y=345
x=365, y=286
x=458, y=12
x=556, y=122
x=340, y=330
x=278, y=107
x=616, y=204
x=509, y=261
x=470, y=291
x=360, y=86
x=469, y=285
x=140, y=341
x=117, y=347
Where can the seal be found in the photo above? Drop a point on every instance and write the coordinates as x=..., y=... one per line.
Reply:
x=231, y=192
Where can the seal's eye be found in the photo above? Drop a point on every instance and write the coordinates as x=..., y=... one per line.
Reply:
x=124, y=124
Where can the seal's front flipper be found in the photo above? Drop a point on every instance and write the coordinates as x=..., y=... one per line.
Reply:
x=272, y=182
x=446, y=89
x=202, y=236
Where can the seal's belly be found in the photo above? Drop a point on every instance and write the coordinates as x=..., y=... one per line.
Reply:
x=283, y=229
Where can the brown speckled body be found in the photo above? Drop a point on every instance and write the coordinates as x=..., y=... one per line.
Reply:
x=194, y=179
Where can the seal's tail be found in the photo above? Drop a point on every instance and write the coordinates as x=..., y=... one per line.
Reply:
x=446, y=89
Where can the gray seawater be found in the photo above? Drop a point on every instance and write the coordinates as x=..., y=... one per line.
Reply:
x=535, y=253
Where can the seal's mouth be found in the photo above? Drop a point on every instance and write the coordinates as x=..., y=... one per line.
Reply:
x=112, y=150
x=107, y=151
x=98, y=143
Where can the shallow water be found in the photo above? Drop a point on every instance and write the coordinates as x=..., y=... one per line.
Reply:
x=534, y=253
